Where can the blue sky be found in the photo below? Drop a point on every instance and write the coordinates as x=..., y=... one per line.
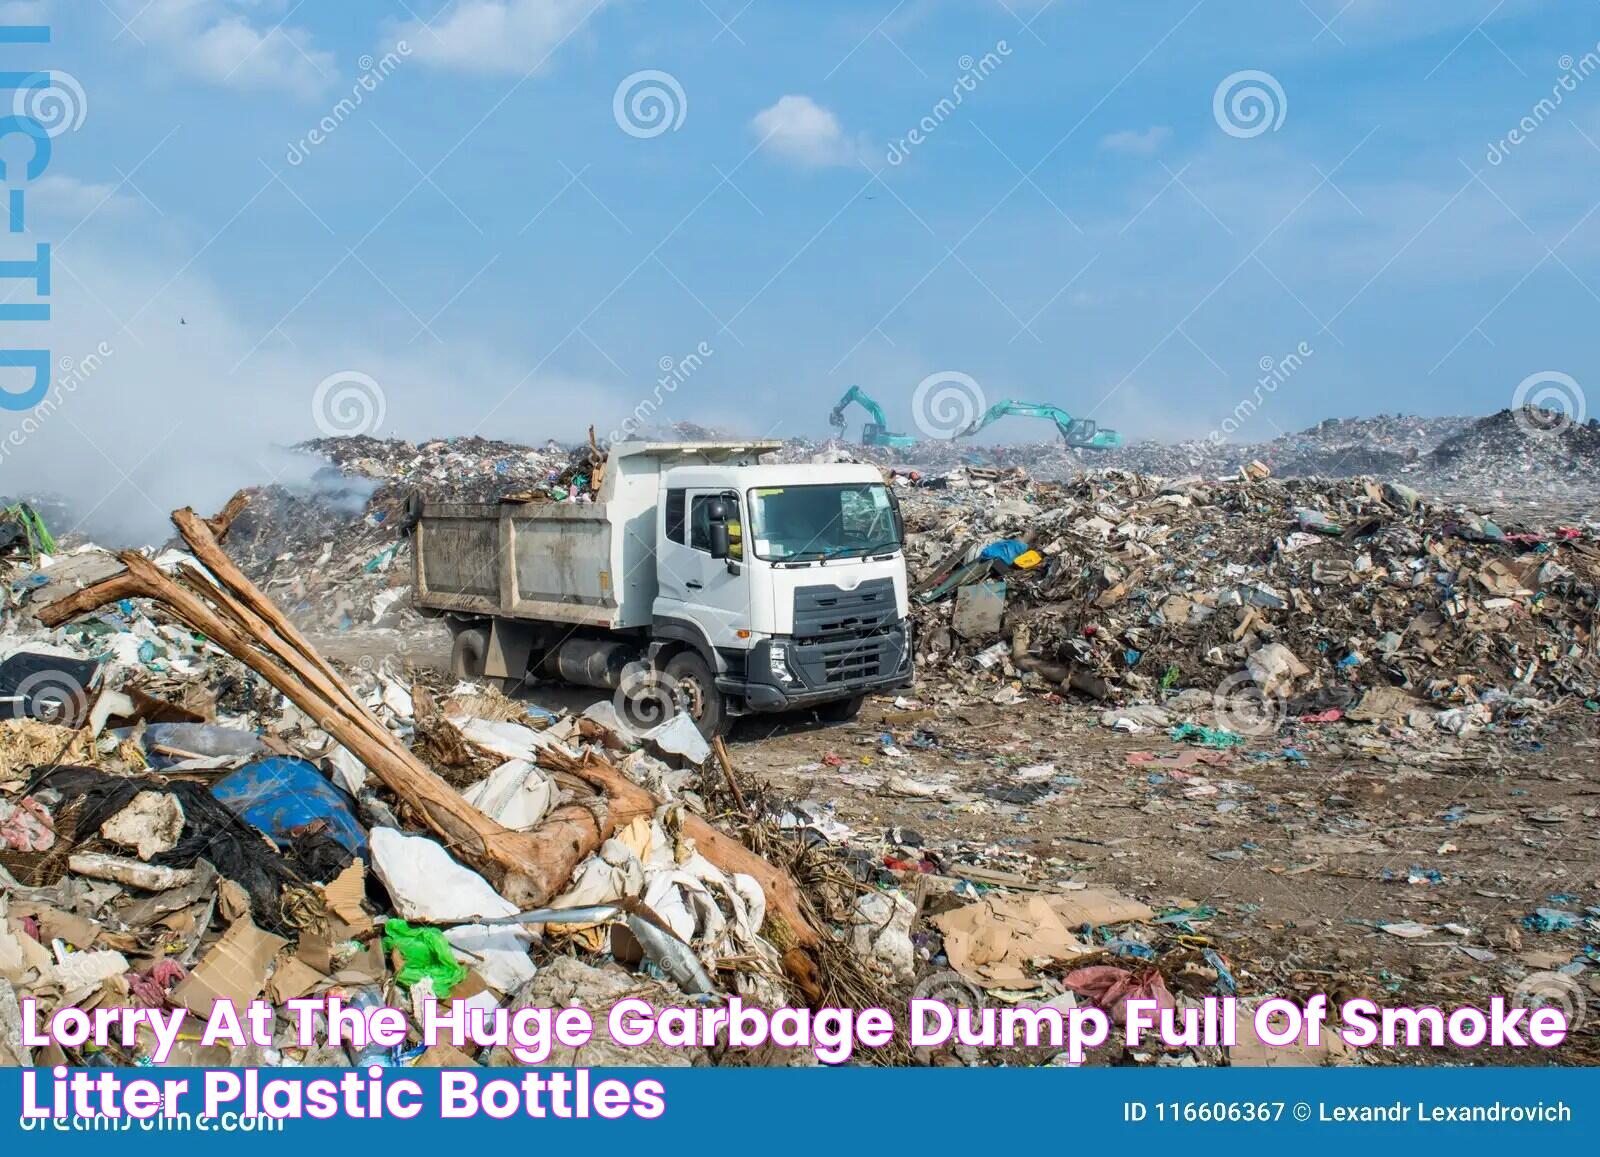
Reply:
x=486, y=242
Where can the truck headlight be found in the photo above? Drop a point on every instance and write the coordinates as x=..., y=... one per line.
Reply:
x=778, y=657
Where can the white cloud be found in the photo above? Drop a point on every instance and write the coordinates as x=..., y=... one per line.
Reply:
x=1140, y=144
x=496, y=35
x=213, y=41
x=801, y=131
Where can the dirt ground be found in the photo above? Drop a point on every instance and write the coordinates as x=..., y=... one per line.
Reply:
x=1302, y=843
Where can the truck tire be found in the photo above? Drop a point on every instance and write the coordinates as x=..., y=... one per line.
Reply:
x=699, y=688
x=468, y=652
x=841, y=710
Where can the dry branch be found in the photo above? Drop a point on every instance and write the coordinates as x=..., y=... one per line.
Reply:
x=529, y=868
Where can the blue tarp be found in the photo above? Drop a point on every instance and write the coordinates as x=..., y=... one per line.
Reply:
x=281, y=794
x=1006, y=550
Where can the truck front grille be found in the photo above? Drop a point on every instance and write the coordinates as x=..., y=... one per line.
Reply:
x=826, y=611
x=851, y=660
x=846, y=637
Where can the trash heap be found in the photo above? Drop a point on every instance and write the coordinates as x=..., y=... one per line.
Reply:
x=1529, y=452
x=1518, y=451
x=195, y=805
x=333, y=550
x=1298, y=597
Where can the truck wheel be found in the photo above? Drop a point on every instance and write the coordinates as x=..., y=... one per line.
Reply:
x=468, y=652
x=702, y=699
x=841, y=710
x=467, y=658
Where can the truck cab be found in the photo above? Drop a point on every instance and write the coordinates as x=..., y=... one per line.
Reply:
x=795, y=577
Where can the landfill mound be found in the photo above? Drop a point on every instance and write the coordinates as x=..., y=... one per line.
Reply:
x=1314, y=594
x=1148, y=584
x=1460, y=455
x=327, y=549
x=1528, y=448
x=1333, y=448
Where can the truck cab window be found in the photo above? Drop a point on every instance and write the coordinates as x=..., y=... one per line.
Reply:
x=824, y=521
x=700, y=523
x=674, y=514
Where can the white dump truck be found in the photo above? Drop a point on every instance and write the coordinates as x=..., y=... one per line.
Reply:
x=740, y=586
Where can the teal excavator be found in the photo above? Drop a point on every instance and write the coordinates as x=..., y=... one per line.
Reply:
x=1080, y=433
x=875, y=431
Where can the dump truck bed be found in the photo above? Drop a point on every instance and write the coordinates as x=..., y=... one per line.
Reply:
x=584, y=563
x=552, y=561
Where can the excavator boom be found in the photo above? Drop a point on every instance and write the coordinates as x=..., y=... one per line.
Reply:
x=875, y=431
x=1080, y=433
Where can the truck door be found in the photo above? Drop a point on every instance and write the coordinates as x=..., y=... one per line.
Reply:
x=710, y=593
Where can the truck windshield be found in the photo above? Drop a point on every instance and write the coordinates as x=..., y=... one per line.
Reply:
x=804, y=523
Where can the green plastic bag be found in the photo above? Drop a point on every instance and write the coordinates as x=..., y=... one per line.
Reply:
x=427, y=954
x=1205, y=736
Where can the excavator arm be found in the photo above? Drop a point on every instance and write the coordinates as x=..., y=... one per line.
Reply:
x=1076, y=432
x=855, y=395
x=875, y=431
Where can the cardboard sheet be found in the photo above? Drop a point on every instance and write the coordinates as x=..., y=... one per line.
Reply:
x=1097, y=906
x=235, y=969
x=992, y=942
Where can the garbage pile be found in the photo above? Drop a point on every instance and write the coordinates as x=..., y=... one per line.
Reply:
x=458, y=469
x=1530, y=452
x=196, y=805
x=333, y=550
x=1521, y=451
x=1297, y=597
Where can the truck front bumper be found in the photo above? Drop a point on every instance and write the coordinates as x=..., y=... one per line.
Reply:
x=823, y=671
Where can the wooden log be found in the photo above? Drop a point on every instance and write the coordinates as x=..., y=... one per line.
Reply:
x=197, y=533
x=223, y=519
x=528, y=868
x=112, y=590
x=261, y=633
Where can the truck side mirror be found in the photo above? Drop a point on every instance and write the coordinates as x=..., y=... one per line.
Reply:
x=720, y=546
x=716, y=510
